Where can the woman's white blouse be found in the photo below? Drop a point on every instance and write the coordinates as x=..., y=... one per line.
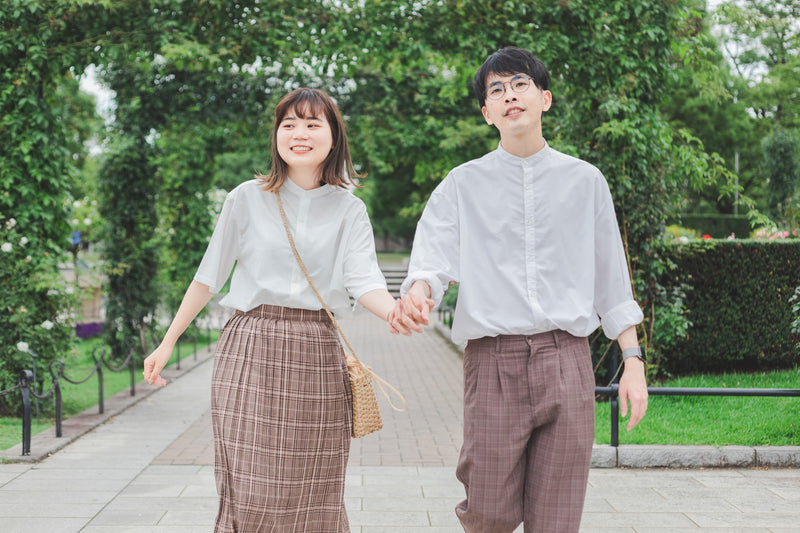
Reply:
x=332, y=233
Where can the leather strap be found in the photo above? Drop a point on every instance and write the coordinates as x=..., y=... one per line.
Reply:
x=367, y=370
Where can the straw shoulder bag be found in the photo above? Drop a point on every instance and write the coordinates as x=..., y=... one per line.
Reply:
x=366, y=413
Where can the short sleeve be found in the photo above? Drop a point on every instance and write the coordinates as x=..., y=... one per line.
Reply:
x=360, y=267
x=223, y=248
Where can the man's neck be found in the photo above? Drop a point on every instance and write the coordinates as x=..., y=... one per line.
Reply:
x=522, y=145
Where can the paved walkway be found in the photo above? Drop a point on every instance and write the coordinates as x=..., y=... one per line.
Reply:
x=149, y=468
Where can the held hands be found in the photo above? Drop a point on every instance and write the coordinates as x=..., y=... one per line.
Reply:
x=410, y=313
x=633, y=388
x=154, y=363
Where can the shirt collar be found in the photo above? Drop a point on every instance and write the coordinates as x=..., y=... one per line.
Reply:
x=525, y=161
x=294, y=189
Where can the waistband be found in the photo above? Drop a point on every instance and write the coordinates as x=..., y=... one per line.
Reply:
x=286, y=313
x=557, y=337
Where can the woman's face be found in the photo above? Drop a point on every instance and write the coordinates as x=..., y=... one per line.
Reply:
x=304, y=143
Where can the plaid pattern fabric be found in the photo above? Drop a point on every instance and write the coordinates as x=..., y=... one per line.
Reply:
x=281, y=416
x=528, y=433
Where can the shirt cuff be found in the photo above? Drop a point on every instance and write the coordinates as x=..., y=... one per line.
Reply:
x=620, y=318
x=437, y=291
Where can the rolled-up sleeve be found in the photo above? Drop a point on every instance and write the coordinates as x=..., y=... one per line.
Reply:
x=435, y=253
x=614, y=302
x=223, y=248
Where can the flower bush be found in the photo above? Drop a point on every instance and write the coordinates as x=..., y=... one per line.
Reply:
x=31, y=304
x=771, y=234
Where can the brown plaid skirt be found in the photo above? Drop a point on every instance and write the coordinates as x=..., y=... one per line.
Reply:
x=281, y=411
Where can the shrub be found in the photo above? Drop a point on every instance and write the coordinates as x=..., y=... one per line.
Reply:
x=739, y=306
x=717, y=225
x=31, y=309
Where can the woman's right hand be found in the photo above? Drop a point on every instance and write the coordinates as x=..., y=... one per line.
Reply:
x=154, y=363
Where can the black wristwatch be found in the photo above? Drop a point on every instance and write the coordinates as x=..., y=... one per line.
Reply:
x=634, y=352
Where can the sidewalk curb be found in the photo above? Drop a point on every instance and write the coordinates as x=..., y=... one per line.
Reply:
x=46, y=443
x=672, y=456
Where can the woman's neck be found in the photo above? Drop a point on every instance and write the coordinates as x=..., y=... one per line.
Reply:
x=305, y=180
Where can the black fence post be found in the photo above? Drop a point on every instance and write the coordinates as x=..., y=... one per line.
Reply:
x=25, y=378
x=35, y=382
x=57, y=395
x=98, y=364
x=132, y=367
x=613, y=364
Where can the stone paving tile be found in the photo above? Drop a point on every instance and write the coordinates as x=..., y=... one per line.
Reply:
x=150, y=468
x=30, y=524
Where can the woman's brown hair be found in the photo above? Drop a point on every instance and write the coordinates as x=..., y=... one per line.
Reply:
x=337, y=169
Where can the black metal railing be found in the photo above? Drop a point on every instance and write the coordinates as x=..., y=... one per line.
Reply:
x=612, y=392
x=23, y=385
x=27, y=382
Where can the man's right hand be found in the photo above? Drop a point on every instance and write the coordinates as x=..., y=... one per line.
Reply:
x=415, y=307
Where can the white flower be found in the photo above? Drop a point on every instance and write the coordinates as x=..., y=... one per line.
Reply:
x=74, y=221
x=684, y=239
x=87, y=221
x=28, y=259
x=23, y=241
x=70, y=290
x=47, y=325
x=11, y=223
x=6, y=247
x=94, y=202
x=22, y=346
x=76, y=204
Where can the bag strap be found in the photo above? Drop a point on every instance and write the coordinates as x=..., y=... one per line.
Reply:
x=367, y=370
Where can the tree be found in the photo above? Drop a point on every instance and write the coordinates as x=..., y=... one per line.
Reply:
x=782, y=169
x=762, y=38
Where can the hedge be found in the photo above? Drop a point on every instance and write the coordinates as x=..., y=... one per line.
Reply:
x=717, y=225
x=738, y=305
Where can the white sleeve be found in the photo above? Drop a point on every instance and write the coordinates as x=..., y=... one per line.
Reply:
x=435, y=253
x=223, y=248
x=613, y=297
x=361, y=271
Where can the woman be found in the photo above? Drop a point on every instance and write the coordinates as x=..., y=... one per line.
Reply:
x=280, y=401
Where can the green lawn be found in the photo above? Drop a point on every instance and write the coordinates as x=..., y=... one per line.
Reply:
x=77, y=398
x=716, y=421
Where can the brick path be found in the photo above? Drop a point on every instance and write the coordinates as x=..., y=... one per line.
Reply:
x=424, y=368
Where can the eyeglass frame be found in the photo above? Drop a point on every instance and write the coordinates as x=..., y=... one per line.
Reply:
x=510, y=82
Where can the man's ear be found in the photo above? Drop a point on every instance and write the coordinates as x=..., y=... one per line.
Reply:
x=548, y=100
x=486, y=116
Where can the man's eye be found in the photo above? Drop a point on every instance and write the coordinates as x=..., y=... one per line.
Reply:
x=495, y=89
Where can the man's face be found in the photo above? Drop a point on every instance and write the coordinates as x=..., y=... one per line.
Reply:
x=517, y=105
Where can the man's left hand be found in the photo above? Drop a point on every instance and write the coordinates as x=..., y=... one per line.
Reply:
x=633, y=388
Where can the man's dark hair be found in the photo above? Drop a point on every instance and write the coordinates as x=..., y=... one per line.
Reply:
x=506, y=61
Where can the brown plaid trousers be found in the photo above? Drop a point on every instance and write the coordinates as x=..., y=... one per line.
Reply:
x=281, y=415
x=528, y=433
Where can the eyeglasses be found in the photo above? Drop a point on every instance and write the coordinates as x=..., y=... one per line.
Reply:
x=518, y=84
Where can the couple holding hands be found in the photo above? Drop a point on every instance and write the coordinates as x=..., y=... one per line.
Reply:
x=528, y=232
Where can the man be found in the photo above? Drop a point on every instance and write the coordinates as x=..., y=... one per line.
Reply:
x=531, y=236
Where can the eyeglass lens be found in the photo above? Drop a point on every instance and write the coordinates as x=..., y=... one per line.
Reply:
x=518, y=84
